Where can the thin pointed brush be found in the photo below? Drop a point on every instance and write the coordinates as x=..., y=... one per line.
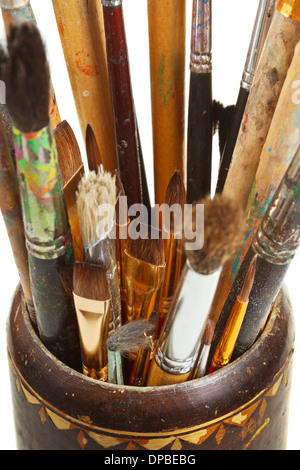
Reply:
x=96, y=203
x=14, y=13
x=173, y=241
x=72, y=170
x=92, y=150
x=265, y=12
x=201, y=366
x=92, y=301
x=200, y=120
x=45, y=217
x=129, y=165
x=176, y=355
x=223, y=353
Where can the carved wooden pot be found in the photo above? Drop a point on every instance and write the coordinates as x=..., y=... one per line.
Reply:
x=243, y=406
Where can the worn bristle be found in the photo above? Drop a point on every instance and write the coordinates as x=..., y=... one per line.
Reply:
x=90, y=281
x=92, y=150
x=175, y=193
x=69, y=156
x=27, y=79
x=208, y=333
x=149, y=248
x=223, y=234
x=132, y=337
x=96, y=202
x=249, y=280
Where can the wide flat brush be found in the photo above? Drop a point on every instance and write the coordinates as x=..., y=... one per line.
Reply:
x=167, y=39
x=14, y=13
x=200, y=120
x=92, y=301
x=179, y=343
x=45, y=217
x=96, y=203
x=81, y=29
x=265, y=12
x=129, y=164
x=72, y=170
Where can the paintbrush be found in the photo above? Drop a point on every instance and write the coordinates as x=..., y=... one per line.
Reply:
x=45, y=218
x=178, y=345
x=264, y=16
x=200, y=368
x=83, y=44
x=225, y=347
x=278, y=150
x=14, y=13
x=92, y=150
x=275, y=243
x=167, y=39
x=12, y=215
x=200, y=120
x=172, y=234
x=72, y=170
x=129, y=165
x=96, y=202
x=271, y=72
x=92, y=301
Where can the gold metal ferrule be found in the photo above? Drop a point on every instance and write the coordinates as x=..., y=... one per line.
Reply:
x=290, y=9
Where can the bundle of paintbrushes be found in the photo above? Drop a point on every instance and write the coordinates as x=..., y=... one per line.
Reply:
x=119, y=290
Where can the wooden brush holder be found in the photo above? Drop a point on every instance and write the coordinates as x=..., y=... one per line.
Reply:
x=243, y=406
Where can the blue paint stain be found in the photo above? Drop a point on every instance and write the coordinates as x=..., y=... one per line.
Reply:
x=270, y=149
x=291, y=155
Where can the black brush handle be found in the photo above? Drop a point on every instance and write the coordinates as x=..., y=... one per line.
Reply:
x=232, y=138
x=200, y=130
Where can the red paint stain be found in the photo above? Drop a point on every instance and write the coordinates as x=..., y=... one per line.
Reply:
x=84, y=66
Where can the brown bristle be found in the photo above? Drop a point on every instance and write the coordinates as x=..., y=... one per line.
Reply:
x=121, y=209
x=249, y=280
x=176, y=193
x=151, y=249
x=69, y=156
x=132, y=337
x=92, y=150
x=223, y=234
x=27, y=79
x=90, y=281
x=208, y=333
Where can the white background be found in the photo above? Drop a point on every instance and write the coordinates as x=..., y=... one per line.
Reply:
x=232, y=26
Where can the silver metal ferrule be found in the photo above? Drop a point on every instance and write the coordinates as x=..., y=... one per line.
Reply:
x=111, y=3
x=12, y=4
x=261, y=28
x=178, y=346
x=201, y=40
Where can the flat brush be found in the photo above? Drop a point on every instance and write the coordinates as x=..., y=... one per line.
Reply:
x=92, y=150
x=200, y=120
x=92, y=302
x=14, y=13
x=173, y=240
x=129, y=164
x=265, y=12
x=72, y=170
x=45, y=217
x=96, y=202
x=225, y=347
x=178, y=345
x=12, y=215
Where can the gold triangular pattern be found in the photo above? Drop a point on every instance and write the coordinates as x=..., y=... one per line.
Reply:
x=195, y=437
x=241, y=418
x=131, y=446
x=262, y=408
x=30, y=398
x=176, y=445
x=105, y=441
x=273, y=391
x=43, y=415
x=58, y=421
x=157, y=444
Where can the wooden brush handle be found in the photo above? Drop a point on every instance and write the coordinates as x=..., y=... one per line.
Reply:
x=200, y=126
x=83, y=44
x=167, y=28
x=125, y=120
x=272, y=69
